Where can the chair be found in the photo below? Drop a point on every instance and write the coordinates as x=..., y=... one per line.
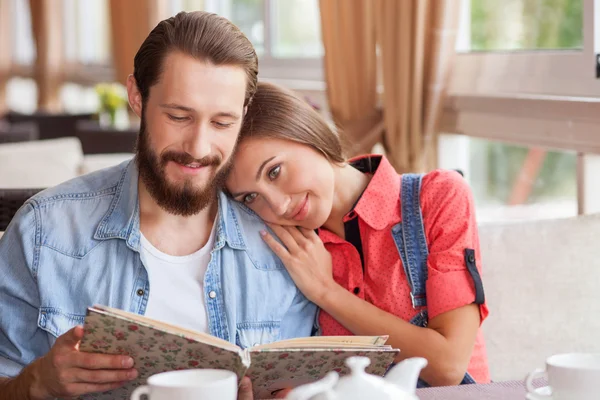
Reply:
x=10, y=202
x=22, y=132
x=51, y=126
x=541, y=281
x=39, y=163
x=99, y=140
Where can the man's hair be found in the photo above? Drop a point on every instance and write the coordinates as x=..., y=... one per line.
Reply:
x=202, y=35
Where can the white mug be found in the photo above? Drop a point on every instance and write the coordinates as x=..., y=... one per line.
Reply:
x=573, y=376
x=191, y=384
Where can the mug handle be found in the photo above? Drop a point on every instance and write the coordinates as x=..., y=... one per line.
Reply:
x=137, y=393
x=529, y=383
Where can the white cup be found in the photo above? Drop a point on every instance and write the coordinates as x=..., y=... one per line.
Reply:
x=573, y=376
x=193, y=384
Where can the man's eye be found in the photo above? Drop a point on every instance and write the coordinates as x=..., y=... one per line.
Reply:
x=176, y=119
x=249, y=198
x=222, y=125
x=274, y=172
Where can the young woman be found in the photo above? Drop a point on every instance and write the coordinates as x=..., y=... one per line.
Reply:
x=379, y=253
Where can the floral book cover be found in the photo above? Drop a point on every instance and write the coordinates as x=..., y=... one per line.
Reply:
x=153, y=350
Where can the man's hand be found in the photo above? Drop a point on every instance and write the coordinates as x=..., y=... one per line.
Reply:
x=245, y=389
x=67, y=372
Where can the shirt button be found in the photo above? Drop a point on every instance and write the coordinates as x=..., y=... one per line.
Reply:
x=212, y=294
x=140, y=292
x=356, y=290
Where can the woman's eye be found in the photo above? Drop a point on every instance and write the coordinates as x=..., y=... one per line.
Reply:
x=249, y=198
x=274, y=172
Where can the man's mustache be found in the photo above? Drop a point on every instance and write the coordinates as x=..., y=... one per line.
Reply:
x=186, y=158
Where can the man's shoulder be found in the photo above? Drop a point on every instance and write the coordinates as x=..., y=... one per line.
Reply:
x=96, y=184
x=240, y=215
x=243, y=228
x=67, y=216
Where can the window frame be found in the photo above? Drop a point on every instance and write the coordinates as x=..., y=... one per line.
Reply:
x=276, y=68
x=495, y=95
x=298, y=72
x=526, y=72
x=547, y=99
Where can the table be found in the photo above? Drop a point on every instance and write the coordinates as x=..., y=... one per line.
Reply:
x=510, y=390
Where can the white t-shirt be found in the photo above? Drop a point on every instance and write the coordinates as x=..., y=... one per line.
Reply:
x=177, y=285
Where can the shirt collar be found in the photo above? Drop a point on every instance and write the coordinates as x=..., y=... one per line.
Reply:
x=379, y=204
x=122, y=221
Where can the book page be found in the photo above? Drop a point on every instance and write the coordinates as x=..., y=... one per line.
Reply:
x=325, y=342
x=200, y=336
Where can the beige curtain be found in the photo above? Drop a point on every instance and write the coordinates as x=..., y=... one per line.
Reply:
x=5, y=50
x=416, y=39
x=47, y=24
x=350, y=68
x=131, y=21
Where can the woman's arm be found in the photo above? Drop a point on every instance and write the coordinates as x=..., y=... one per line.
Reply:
x=446, y=343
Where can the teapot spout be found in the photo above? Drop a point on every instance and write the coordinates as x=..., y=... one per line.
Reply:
x=406, y=373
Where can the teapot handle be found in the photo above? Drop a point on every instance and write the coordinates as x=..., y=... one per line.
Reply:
x=324, y=388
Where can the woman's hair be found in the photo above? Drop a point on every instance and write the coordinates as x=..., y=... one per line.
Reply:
x=276, y=113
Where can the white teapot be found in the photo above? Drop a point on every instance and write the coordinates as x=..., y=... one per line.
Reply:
x=399, y=383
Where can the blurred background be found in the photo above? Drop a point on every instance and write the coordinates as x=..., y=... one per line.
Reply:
x=506, y=91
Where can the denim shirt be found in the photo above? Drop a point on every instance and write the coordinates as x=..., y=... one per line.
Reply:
x=77, y=244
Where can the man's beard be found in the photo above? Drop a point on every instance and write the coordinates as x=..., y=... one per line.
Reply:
x=183, y=199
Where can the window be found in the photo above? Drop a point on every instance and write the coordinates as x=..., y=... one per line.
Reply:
x=85, y=31
x=514, y=182
x=285, y=33
x=296, y=29
x=524, y=90
x=525, y=25
x=23, y=46
x=541, y=47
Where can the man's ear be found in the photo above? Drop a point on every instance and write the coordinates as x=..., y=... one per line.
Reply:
x=134, y=96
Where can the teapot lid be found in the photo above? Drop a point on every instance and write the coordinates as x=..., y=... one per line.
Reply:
x=361, y=385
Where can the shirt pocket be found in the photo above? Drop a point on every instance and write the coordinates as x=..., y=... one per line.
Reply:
x=57, y=322
x=250, y=334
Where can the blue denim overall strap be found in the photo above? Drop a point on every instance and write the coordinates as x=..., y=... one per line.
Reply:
x=409, y=236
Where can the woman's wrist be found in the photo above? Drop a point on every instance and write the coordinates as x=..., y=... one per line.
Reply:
x=328, y=295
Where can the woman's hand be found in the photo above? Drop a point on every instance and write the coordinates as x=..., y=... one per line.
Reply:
x=305, y=258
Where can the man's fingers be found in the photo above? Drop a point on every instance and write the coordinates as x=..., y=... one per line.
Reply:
x=245, y=389
x=281, y=394
x=101, y=361
x=79, y=389
x=104, y=376
x=71, y=338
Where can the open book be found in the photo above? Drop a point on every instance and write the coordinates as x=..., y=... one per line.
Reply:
x=158, y=347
